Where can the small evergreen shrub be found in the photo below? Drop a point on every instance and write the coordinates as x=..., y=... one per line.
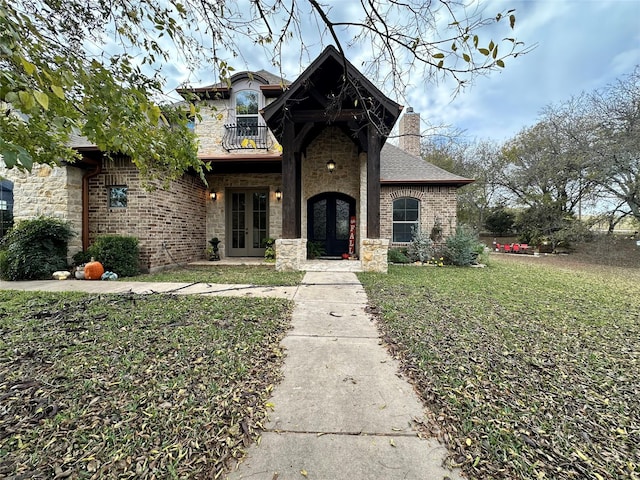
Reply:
x=117, y=253
x=270, y=250
x=421, y=247
x=34, y=249
x=463, y=248
x=82, y=257
x=398, y=255
x=315, y=250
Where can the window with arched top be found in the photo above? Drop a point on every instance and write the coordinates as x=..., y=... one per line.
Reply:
x=247, y=106
x=406, y=218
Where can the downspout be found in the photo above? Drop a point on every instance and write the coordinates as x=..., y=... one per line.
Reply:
x=97, y=169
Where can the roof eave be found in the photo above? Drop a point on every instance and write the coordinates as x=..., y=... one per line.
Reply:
x=205, y=93
x=256, y=157
x=445, y=183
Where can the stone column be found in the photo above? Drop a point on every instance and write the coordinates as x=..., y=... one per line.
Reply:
x=290, y=254
x=374, y=254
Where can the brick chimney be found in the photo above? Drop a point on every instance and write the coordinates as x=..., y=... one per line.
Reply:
x=410, y=132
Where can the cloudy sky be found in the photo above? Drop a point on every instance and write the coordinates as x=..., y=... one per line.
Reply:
x=582, y=45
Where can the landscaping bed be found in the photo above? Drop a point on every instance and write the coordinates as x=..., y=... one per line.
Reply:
x=131, y=386
x=529, y=371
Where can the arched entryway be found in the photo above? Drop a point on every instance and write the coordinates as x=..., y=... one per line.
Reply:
x=328, y=221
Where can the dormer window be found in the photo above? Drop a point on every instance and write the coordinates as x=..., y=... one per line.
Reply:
x=247, y=105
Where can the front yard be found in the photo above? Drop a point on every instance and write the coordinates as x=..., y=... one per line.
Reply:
x=129, y=386
x=531, y=372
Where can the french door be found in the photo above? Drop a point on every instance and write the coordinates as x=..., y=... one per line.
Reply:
x=247, y=222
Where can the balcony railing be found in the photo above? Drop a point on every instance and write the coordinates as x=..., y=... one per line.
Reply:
x=246, y=137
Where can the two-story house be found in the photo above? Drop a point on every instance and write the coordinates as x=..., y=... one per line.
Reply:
x=298, y=162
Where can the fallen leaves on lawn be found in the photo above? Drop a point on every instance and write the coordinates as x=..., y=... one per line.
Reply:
x=528, y=372
x=128, y=386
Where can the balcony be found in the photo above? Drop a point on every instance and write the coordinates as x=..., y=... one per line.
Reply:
x=246, y=137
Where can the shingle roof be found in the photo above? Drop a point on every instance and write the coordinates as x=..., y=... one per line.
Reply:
x=398, y=166
x=272, y=78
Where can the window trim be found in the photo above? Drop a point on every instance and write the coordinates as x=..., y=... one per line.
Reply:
x=415, y=223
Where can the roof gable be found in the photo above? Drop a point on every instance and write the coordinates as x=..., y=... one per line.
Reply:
x=267, y=81
x=320, y=94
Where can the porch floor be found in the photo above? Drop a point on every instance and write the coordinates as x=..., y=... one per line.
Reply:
x=307, y=266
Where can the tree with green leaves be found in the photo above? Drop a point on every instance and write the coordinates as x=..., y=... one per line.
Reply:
x=96, y=68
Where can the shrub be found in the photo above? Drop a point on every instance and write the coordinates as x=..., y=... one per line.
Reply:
x=436, y=231
x=34, y=249
x=270, y=249
x=117, y=253
x=463, y=248
x=421, y=247
x=82, y=257
x=398, y=255
x=315, y=250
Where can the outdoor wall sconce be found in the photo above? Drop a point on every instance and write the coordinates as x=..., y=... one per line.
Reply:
x=278, y=194
x=331, y=166
x=212, y=196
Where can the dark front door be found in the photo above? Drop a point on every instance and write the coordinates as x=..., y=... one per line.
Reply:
x=328, y=221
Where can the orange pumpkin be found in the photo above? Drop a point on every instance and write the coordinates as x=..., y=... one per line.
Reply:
x=93, y=270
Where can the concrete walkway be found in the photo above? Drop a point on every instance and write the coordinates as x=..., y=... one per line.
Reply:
x=342, y=410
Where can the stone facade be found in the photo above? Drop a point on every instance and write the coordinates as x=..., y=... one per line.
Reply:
x=334, y=145
x=436, y=202
x=215, y=114
x=222, y=184
x=49, y=191
x=210, y=127
x=169, y=224
x=374, y=255
x=290, y=254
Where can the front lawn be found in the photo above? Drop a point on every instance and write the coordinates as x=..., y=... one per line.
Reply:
x=530, y=372
x=234, y=274
x=130, y=386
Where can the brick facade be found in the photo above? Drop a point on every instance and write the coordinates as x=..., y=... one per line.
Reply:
x=169, y=224
x=436, y=202
x=409, y=130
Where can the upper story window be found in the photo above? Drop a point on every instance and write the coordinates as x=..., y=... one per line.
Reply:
x=247, y=106
x=406, y=218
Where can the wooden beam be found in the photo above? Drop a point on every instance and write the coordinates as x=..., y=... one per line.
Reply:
x=298, y=194
x=302, y=116
x=373, y=183
x=290, y=176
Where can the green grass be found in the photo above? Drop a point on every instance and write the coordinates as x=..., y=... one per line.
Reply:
x=530, y=372
x=130, y=386
x=234, y=274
